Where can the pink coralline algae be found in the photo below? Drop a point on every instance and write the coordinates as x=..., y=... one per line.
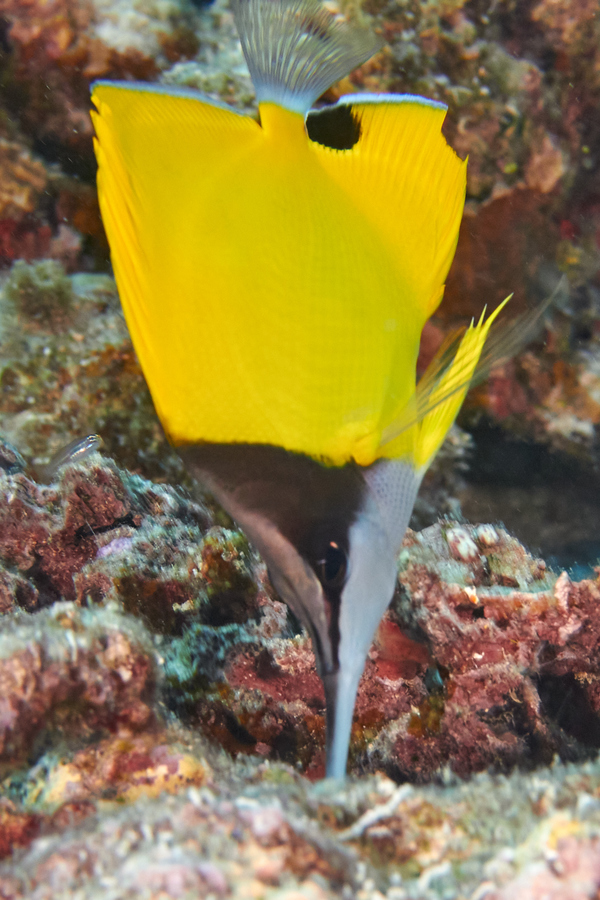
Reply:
x=510, y=650
x=73, y=671
x=484, y=660
x=144, y=663
x=573, y=874
x=51, y=537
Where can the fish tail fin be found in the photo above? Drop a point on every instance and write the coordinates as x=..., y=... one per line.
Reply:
x=296, y=49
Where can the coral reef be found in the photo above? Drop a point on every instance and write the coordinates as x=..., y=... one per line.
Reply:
x=139, y=636
x=68, y=369
x=499, y=639
x=500, y=651
x=23, y=180
x=471, y=667
x=52, y=52
x=260, y=830
x=71, y=670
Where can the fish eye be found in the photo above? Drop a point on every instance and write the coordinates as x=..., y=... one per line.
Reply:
x=332, y=567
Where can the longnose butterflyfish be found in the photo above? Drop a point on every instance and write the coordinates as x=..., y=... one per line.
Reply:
x=276, y=276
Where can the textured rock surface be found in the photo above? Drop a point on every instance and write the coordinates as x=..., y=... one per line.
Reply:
x=71, y=670
x=260, y=830
x=471, y=668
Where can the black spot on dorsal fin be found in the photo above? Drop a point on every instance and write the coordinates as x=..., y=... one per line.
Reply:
x=337, y=127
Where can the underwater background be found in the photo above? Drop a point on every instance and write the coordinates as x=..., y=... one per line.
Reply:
x=161, y=719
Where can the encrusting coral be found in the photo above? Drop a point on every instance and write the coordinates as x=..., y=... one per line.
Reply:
x=74, y=671
x=169, y=632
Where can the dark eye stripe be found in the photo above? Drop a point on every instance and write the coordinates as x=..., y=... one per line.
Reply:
x=332, y=567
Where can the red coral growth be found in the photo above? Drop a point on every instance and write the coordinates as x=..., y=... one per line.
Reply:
x=77, y=206
x=506, y=671
x=499, y=250
x=504, y=397
x=71, y=814
x=49, y=543
x=395, y=655
x=500, y=653
x=277, y=706
x=23, y=240
x=24, y=522
x=567, y=26
x=153, y=600
x=17, y=829
x=59, y=49
x=91, y=587
x=286, y=678
x=93, y=500
x=22, y=180
x=544, y=397
x=288, y=721
x=15, y=590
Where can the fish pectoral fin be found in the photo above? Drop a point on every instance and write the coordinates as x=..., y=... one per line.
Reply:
x=465, y=358
x=507, y=340
x=296, y=49
x=441, y=391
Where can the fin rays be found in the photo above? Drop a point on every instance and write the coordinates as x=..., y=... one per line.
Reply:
x=295, y=49
x=462, y=361
x=409, y=183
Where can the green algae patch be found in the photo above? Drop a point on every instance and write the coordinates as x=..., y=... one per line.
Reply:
x=41, y=292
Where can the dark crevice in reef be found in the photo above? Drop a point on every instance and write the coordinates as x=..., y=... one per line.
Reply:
x=566, y=704
x=548, y=500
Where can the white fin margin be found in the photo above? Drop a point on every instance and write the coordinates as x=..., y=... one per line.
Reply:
x=350, y=99
x=295, y=49
x=171, y=90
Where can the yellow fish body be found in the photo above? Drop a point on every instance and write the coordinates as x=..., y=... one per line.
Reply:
x=276, y=283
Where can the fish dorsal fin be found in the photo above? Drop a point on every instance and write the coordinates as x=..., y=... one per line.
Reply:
x=405, y=179
x=295, y=49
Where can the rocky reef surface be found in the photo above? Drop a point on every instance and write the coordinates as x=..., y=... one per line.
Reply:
x=161, y=721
